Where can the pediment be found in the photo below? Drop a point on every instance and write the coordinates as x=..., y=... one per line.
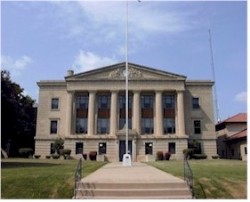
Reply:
x=117, y=72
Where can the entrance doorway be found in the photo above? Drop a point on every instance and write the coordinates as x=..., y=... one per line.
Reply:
x=122, y=148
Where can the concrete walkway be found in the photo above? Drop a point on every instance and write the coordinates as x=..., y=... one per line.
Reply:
x=138, y=172
x=139, y=181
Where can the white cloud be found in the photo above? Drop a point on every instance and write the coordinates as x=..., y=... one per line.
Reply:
x=15, y=66
x=241, y=97
x=85, y=61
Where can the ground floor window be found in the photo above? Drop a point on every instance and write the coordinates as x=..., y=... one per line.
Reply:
x=171, y=147
x=149, y=148
x=79, y=147
x=245, y=150
x=52, y=148
x=102, y=148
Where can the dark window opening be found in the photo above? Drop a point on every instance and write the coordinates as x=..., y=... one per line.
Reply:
x=79, y=147
x=102, y=148
x=53, y=127
x=54, y=103
x=149, y=148
x=171, y=147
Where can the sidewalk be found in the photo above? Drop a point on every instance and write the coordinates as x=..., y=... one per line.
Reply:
x=138, y=172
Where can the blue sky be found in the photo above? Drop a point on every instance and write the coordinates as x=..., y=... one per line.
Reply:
x=42, y=40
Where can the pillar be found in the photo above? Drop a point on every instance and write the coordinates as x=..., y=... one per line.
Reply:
x=113, y=113
x=91, y=113
x=136, y=112
x=69, y=113
x=180, y=114
x=158, y=114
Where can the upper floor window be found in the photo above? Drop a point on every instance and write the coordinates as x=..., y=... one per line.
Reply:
x=104, y=101
x=168, y=101
x=55, y=103
x=147, y=125
x=195, y=103
x=147, y=101
x=81, y=125
x=122, y=101
x=102, y=126
x=82, y=101
x=169, y=125
x=53, y=127
x=197, y=127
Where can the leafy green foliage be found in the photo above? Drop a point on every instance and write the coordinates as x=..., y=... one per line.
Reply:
x=18, y=117
x=58, y=145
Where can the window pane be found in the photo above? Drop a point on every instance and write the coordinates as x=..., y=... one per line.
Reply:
x=54, y=103
x=171, y=147
x=82, y=101
x=81, y=125
x=149, y=148
x=79, y=147
x=103, y=126
x=195, y=103
x=169, y=125
x=169, y=101
x=197, y=127
x=53, y=127
x=102, y=148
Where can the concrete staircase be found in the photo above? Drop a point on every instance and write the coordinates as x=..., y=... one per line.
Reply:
x=133, y=190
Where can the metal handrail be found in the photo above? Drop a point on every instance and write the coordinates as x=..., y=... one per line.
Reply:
x=78, y=175
x=188, y=175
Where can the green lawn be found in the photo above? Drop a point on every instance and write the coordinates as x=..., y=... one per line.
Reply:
x=41, y=179
x=213, y=179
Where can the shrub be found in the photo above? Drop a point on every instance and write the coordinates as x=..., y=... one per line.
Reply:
x=167, y=156
x=37, y=156
x=55, y=156
x=159, y=156
x=199, y=156
x=48, y=157
x=92, y=155
x=215, y=157
x=84, y=156
x=25, y=152
x=58, y=145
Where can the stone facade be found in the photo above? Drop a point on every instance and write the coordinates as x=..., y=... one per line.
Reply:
x=87, y=110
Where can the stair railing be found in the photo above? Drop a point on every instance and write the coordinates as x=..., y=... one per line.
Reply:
x=188, y=175
x=78, y=175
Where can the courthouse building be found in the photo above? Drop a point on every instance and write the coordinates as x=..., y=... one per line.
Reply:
x=87, y=110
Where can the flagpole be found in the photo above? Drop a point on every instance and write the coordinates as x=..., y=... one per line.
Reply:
x=126, y=37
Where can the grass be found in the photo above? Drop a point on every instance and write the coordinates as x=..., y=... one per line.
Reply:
x=41, y=179
x=213, y=179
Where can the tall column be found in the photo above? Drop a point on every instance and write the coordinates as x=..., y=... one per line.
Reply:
x=113, y=113
x=180, y=113
x=136, y=112
x=91, y=113
x=69, y=113
x=158, y=113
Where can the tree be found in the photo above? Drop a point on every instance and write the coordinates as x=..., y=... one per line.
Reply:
x=18, y=116
x=58, y=144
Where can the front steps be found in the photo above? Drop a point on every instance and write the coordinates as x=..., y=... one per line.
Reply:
x=133, y=190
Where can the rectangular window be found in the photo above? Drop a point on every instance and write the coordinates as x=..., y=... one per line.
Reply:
x=169, y=125
x=52, y=149
x=147, y=101
x=79, y=148
x=171, y=147
x=104, y=101
x=102, y=148
x=195, y=103
x=149, y=148
x=102, y=126
x=55, y=103
x=53, y=127
x=81, y=125
x=197, y=127
x=168, y=101
x=245, y=150
x=82, y=102
x=147, y=125
x=122, y=111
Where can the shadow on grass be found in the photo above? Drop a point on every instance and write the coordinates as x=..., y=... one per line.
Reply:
x=25, y=164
